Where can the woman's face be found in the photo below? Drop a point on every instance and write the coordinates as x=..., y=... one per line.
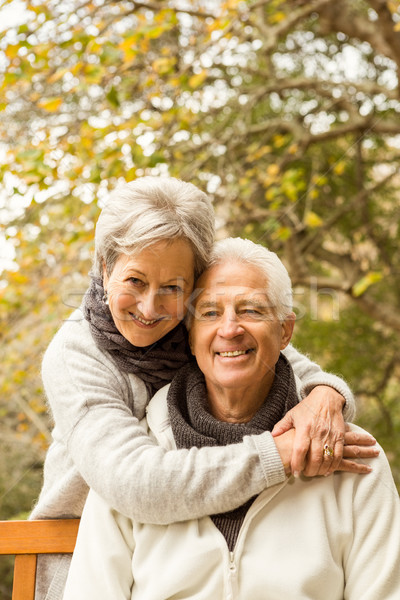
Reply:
x=148, y=292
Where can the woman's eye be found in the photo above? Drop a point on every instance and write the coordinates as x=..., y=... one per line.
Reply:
x=135, y=281
x=171, y=289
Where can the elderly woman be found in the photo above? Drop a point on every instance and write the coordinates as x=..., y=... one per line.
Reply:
x=126, y=342
x=332, y=537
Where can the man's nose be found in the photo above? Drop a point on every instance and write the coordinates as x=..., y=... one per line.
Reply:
x=230, y=325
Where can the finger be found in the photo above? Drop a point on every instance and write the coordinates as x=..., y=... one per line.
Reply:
x=356, y=438
x=350, y=466
x=337, y=451
x=316, y=459
x=301, y=446
x=283, y=425
x=360, y=451
x=322, y=448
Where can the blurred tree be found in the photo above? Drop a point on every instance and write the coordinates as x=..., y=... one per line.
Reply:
x=286, y=112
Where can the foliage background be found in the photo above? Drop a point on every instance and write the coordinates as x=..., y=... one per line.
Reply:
x=286, y=112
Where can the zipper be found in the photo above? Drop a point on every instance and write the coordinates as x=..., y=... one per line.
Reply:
x=232, y=589
x=258, y=504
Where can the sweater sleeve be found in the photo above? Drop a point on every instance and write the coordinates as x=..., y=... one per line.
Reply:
x=94, y=426
x=312, y=375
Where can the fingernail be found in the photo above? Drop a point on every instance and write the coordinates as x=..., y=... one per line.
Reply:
x=296, y=474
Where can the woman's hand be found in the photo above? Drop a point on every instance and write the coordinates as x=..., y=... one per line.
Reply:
x=320, y=428
x=357, y=445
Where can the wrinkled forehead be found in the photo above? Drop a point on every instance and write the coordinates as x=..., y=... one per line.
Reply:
x=233, y=277
x=222, y=293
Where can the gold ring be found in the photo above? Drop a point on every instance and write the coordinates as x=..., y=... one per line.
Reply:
x=328, y=451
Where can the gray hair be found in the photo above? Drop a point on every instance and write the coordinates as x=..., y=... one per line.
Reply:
x=149, y=210
x=279, y=285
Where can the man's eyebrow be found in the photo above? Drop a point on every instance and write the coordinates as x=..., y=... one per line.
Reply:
x=256, y=303
x=206, y=304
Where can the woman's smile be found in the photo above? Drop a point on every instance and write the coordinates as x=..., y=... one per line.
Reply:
x=144, y=322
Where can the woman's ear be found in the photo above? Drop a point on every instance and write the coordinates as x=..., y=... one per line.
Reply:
x=105, y=276
x=287, y=329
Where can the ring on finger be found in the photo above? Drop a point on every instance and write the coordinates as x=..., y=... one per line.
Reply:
x=328, y=450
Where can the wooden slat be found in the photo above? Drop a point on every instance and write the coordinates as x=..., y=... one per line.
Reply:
x=38, y=537
x=24, y=577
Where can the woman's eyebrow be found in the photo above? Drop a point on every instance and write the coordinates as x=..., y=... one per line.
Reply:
x=172, y=279
x=176, y=279
x=130, y=269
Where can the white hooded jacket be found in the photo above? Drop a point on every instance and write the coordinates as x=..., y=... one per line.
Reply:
x=336, y=538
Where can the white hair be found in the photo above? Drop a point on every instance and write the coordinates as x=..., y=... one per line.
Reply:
x=149, y=210
x=279, y=285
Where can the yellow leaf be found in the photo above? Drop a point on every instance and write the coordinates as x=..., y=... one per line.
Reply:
x=75, y=70
x=365, y=282
x=312, y=220
x=163, y=65
x=196, y=80
x=282, y=233
x=12, y=51
x=93, y=73
x=339, y=168
x=279, y=140
x=129, y=46
x=277, y=17
x=51, y=104
x=271, y=194
x=57, y=75
x=272, y=170
x=319, y=180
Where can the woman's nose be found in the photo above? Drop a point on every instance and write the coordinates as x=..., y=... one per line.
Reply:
x=149, y=304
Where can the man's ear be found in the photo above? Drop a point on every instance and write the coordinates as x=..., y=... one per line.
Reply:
x=287, y=329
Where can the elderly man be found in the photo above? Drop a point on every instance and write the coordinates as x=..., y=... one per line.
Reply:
x=335, y=537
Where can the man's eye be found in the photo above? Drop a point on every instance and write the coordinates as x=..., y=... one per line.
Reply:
x=209, y=314
x=252, y=313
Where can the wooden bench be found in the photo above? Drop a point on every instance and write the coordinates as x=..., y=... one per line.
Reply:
x=27, y=539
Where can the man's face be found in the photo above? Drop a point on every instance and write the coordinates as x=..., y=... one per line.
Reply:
x=235, y=334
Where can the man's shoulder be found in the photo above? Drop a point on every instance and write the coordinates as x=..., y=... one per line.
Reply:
x=158, y=421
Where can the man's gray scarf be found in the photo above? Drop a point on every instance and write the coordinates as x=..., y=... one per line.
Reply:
x=192, y=424
x=155, y=364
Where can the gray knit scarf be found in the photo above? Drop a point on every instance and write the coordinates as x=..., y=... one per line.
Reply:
x=155, y=364
x=192, y=424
